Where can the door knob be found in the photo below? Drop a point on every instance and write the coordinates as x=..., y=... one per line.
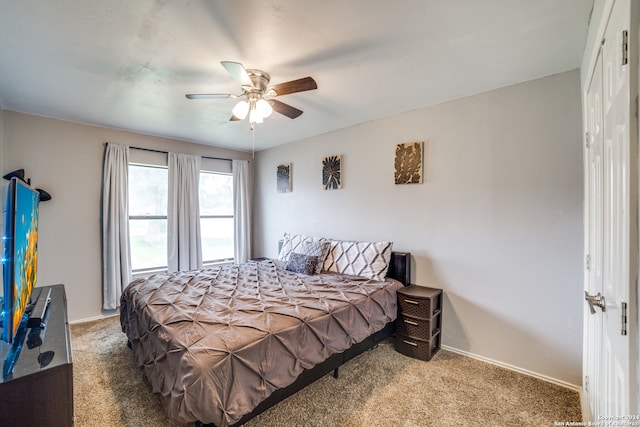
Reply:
x=595, y=301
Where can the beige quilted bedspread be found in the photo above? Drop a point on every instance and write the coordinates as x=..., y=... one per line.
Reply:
x=215, y=343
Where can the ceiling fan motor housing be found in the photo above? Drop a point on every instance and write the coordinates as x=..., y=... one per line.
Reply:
x=260, y=80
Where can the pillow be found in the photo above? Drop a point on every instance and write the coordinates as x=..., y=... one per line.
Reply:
x=366, y=259
x=300, y=263
x=297, y=243
x=290, y=243
x=318, y=249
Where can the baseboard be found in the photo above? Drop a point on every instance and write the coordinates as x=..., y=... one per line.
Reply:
x=93, y=319
x=515, y=368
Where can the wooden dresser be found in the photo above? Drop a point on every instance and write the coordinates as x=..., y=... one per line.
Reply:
x=419, y=323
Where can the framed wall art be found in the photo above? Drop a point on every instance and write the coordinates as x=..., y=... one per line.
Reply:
x=283, y=178
x=332, y=172
x=408, y=163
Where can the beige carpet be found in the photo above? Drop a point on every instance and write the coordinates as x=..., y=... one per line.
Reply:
x=379, y=388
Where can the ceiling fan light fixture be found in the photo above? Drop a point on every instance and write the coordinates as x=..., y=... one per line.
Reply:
x=264, y=108
x=241, y=109
x=255, y=116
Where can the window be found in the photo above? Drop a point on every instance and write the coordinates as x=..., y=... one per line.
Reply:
x=148, y=200
x=216, y=216
x=148, y=187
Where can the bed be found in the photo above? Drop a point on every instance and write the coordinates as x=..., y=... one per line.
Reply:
x=222, y=345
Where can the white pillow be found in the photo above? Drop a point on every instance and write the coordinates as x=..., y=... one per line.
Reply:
x=296, y=243
x=366, y=259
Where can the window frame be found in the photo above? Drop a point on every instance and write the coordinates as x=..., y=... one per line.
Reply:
x=231, y=216
x=159, y=268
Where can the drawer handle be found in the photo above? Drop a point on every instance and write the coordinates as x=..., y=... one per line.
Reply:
x=410, y=322
x=410, y=343
x=410, y=301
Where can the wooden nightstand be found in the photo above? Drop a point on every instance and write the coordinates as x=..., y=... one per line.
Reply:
x=419, y=323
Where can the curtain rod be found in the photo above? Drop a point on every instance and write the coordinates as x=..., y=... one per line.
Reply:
x=166, y=152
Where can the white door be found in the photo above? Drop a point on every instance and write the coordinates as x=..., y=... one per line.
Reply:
x=594, y=243
x=618, y=363
x=610, y=335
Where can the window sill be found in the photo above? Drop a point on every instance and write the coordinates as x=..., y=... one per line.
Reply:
x=146, y=273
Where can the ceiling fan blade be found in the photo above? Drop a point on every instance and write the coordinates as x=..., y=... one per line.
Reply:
x=300, y=85
x=238, y=73
x=234, y=119
x=210, y=95
x=285, y=109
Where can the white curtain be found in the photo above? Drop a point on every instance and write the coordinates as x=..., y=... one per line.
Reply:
x=183, y=215
x=116, y=255
x=242, y=209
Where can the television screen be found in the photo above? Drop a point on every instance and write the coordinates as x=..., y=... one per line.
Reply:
x=20, y=254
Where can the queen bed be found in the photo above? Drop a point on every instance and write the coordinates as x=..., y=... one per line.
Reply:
x=222, y=345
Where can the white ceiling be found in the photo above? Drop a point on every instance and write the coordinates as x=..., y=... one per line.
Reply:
x=128, y=64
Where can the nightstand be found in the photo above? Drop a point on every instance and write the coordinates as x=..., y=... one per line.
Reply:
x=419, y=323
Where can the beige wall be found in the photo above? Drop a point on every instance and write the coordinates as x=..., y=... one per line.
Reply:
x=497, y=223
x=66, y=160
x=3, y=185
x=2, y=154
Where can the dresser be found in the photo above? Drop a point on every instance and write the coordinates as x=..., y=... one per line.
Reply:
x=419, y=322
x=39, y=392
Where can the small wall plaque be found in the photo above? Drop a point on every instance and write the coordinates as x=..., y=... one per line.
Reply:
x=408, y=163
x=332, y=172
x=284, y=178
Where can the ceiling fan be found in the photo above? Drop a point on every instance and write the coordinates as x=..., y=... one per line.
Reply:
x=258, y=97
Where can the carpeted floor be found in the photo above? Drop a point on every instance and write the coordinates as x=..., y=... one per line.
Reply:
x=378, y=388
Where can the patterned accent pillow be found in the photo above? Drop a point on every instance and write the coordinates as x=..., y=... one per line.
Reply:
x=300, y=263
x=318, y=249
x=366, y=259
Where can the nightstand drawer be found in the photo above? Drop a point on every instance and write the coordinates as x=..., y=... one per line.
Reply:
x=418, y=307
x=416, y=327
x=416, y=348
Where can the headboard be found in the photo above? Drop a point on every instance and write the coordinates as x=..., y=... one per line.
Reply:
x=399, y=267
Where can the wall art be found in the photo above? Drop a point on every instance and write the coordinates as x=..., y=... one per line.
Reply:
x=284, y=178
x=332, y=172
x=408, y=163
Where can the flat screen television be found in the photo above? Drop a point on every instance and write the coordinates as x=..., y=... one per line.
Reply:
x=20, y=254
